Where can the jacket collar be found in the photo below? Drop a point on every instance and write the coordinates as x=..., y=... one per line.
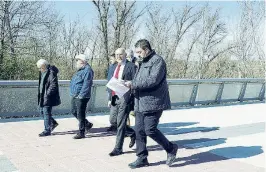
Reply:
x=82, y=68
x=149, y=56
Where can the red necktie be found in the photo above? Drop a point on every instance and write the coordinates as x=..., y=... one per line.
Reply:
x=116, y=75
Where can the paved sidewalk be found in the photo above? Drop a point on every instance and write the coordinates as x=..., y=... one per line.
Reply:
x=214, y=139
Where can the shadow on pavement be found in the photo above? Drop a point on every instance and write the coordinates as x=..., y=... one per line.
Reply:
x=220, y=154
x=94, y=132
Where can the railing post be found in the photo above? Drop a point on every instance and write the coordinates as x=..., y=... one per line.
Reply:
x=193, y=95
x=242, y=92
x=219, y=93
x=262, y=92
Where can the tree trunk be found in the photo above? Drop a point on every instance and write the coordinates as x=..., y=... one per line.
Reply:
x=2, y=41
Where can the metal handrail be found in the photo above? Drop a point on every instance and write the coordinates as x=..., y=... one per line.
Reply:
x=192, y=98
x=170, y=81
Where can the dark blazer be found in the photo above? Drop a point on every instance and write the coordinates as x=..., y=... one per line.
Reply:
x=127, y=75
x=134, y=59
x=50, y=93
x=150, y=85
x=111, y=71
x=129, y=71
x=110, y=74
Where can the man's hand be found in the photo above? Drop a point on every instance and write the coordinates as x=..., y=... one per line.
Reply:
x=109, y=104
x=128, y=84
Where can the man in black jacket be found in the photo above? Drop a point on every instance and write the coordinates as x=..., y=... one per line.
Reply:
x=151, y=98
x=48, y=95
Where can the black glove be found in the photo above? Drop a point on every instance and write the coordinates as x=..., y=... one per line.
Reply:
x=113, y=100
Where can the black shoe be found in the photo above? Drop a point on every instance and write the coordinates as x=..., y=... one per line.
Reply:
x=139, y=163
x=79, y=136
x=44, y=133
x=54, y=126
x=111, y=128
x=88, y=127
x=132, y=141
x=116, y=152
x=172, y=155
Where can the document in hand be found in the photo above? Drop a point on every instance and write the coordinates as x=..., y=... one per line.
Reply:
x=117, y=86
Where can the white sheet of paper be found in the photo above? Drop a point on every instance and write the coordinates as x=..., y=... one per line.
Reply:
x=117, y=86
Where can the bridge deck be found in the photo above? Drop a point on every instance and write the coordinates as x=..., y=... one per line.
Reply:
x=214, y=139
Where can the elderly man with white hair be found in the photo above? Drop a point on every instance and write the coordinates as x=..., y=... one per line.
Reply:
x=125, y=71
x=130, y=56
x=80, y=92
x=48, y=95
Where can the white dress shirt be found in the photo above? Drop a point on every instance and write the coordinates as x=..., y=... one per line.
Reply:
x=120, y=74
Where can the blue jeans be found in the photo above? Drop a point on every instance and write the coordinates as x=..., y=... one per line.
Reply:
x=47, y=116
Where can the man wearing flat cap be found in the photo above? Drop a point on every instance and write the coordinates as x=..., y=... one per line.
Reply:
x=80, y=92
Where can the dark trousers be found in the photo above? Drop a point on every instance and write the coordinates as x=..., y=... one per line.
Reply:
x=114, y=120
x=120, y=110
x=45, y=112
x=146, y=125
x=78, y=109
x=129, y=131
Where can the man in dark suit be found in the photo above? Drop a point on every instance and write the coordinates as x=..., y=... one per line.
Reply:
x=151, y=98
x=124, y=72
x=111, y=70
x=112, y=66
x=113, y=116
x=48, y=95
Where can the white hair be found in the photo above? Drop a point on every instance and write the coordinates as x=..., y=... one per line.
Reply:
x=42, y=62
x=129, y=52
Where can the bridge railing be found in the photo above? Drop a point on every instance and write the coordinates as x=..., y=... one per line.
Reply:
x=19, y=98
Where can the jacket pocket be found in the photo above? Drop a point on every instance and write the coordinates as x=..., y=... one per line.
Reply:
x=146, y=70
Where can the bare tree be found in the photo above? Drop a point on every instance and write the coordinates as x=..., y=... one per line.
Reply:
x=211, y=44
x=103, y=14
x=117, y=25
x=93, y=49
x=52, y=27
x=22, y=17
x=75, y=39
x=192, y=40
x=6, y=30
x=166, y=32
x=22, y=23
x=189, y=52
x=183, y=22
x=125, y=17
x=159, y=27
x=2, y=18
x=249, y=38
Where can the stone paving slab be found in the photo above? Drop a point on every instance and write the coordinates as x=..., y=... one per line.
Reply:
x=217, y=139
x=6, y=165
